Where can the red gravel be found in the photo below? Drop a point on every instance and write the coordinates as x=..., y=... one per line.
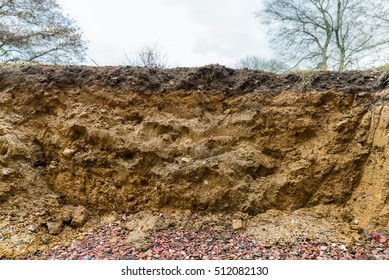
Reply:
x=109, y=242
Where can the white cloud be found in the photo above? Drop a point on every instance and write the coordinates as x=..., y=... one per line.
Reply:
x=191, y=32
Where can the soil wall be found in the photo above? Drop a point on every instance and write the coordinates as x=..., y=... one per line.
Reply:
x=210, y=138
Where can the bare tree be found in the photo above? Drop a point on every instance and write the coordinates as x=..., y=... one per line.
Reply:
x=259, y=63
x=148, y=56
x=322, y=34
x=36, y=30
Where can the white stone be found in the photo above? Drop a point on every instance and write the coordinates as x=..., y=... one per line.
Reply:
x=68, y=152
x=6, y=171
x=185, y=159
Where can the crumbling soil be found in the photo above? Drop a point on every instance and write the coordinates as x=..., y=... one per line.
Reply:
x=193, y=154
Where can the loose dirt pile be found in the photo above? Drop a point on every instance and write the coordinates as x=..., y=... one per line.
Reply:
x=282, y=158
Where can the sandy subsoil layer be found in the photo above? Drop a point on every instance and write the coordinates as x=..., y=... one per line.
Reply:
x=192, y=163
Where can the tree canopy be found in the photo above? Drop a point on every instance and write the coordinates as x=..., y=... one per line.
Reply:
x=327, y=34
x=37, y=30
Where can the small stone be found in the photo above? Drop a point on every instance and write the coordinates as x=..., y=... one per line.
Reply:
x=53, y=164
x=68, y=152
x=382, y=239
x=139, y=240
x=375, y=235
x=187, y=212
x=342, y=247
x=113, y=81
x=109, y=219
x=316, y=99
x=54, y=228
x=323, y=248
x=362, y=94
x=237, y=224
x=353, y=252
x=5, y=172
x=185, y=159
x=31, y=228
x=80, y=216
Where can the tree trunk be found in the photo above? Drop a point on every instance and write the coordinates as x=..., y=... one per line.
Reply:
x=324, y=63
x=342, y=56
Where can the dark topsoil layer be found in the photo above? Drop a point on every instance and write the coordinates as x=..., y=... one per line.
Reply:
x=207, y=78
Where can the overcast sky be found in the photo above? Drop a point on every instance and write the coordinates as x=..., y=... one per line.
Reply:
x=190, y=32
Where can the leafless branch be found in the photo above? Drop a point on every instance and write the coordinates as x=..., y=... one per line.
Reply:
x=36, y=30
x=332, y=33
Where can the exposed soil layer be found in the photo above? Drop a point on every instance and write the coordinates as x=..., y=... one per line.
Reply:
x=77, y=143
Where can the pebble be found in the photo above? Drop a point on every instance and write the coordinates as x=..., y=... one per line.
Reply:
x=31, y=228
x=67, y=152
x=54, y=228
x=80, y=216
x=107, y=242
x=6, y=172
x=237, y=224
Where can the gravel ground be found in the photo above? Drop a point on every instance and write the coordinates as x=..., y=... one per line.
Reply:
x=109, y=241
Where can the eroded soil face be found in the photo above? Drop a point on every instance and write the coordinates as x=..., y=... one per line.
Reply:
x=77, y=143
